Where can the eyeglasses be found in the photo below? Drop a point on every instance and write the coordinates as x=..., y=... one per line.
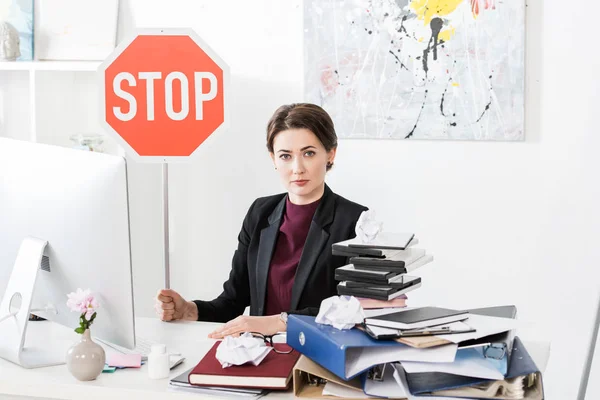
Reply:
x=276, y=341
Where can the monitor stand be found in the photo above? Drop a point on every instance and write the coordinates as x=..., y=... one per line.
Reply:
x=16, y=308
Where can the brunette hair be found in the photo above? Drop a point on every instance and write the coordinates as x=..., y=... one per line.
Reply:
x=303, y=115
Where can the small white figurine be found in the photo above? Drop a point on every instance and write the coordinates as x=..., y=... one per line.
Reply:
x=9, y=42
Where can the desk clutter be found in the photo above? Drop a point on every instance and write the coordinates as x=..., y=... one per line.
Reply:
x=425, y=351
x=349, y=351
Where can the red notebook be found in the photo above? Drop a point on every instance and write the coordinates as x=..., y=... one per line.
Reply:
x=274, y=372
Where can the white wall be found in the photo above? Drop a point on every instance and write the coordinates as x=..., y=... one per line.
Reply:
x=507, y=222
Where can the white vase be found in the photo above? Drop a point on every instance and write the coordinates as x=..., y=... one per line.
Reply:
x=86, y=358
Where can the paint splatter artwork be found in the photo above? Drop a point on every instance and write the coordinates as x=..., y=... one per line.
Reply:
x=417, y=69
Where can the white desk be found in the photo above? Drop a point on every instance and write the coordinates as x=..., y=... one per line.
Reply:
x=188, y=338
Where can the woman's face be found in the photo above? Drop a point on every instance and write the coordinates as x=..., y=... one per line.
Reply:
x=301, y=161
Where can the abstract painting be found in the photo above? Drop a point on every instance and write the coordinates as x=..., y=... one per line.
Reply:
x=418, y=69
x=19, y=13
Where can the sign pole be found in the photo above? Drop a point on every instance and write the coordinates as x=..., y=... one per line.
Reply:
x=166, y=261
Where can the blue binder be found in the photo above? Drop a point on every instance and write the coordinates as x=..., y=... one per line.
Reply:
x=521, y=365
x=343, y=352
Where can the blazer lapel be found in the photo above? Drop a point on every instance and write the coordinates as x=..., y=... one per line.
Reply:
x=268, y=238
x=313, y=247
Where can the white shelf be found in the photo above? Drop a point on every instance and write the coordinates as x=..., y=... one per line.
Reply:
x=49, y=65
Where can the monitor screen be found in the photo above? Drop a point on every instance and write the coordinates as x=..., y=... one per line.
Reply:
x=77, y=201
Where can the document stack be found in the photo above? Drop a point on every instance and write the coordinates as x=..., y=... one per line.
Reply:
x=428, y=351
x=378, y=269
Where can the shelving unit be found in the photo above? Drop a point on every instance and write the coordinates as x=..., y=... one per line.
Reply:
x=50, y=66
x=61, y=100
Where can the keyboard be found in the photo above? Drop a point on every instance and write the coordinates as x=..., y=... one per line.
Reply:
x=143, y=346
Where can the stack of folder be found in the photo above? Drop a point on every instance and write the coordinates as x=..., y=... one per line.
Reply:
x=486, y=362
x=379, y=269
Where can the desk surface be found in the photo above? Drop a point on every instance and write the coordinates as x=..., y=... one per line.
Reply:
x=188, y=338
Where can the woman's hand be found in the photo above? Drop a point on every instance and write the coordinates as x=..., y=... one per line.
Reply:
x=170, y=306
x=269, y=325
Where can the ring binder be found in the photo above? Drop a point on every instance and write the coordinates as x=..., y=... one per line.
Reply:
x=314, y=380
x=376, y=373
x=497, y=351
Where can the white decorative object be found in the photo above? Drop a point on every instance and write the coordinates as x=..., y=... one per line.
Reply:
x=158, y=362
x=9, y=42
x=76, y=30
x=89, y=142
x=86, y=358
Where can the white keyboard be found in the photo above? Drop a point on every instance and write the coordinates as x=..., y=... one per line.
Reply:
x=143, y=346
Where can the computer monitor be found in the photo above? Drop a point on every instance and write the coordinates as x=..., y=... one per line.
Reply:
x=77, y=202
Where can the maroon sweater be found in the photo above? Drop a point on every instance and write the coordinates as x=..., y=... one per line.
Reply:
x=286, y=256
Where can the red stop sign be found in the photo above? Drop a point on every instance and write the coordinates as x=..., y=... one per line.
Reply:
x=163, y=94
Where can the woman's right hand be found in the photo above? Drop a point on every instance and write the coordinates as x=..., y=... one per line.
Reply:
x=170, y=306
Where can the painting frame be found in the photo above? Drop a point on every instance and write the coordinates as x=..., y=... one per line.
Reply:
x=381, y=73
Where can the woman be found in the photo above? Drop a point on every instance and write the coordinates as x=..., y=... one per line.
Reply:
x=283, y=263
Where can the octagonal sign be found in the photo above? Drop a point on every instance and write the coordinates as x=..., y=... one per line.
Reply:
x=163, y=94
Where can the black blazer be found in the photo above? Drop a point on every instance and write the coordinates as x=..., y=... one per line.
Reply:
x=334, y=221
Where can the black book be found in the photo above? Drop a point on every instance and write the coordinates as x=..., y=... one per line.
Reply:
x=397, y=282
x=345, y=251
x=377, y=293
x=349, y=273
x=427, y=258
x=392, y=258
x=418, y=318
x=378, y=249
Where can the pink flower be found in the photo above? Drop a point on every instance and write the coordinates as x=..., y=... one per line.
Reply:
x=84, y=302
x=91, y=304
x=76, y=299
